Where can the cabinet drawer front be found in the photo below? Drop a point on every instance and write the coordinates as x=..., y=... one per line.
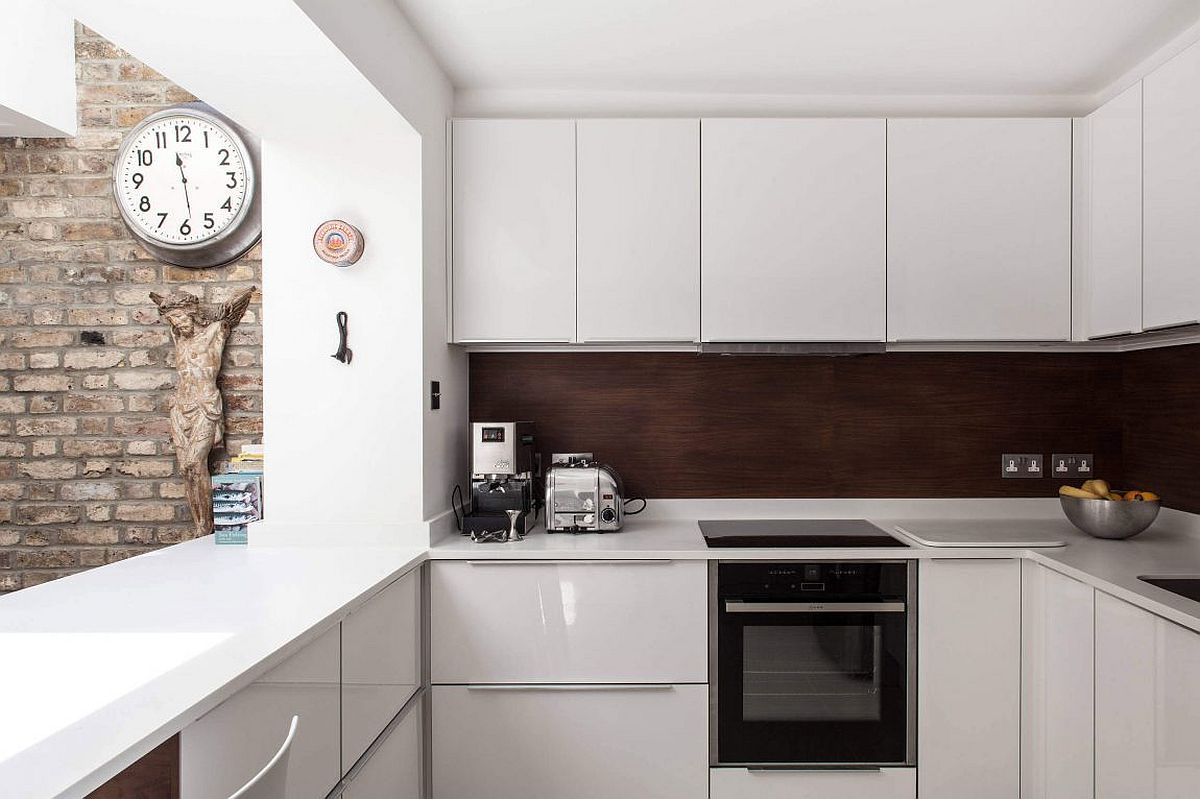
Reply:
x=381, y=647
x=645, y=742
x=222, y=750
x=740, y=783
x=570, y=622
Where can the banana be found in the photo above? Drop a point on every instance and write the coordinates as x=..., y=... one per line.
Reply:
x=1098, y=487
x=1077, y=493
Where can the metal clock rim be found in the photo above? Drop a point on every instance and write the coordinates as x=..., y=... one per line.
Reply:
x=243, y=231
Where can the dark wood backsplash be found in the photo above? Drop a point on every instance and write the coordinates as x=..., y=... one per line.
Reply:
x=880, y=425
x=1161, y=404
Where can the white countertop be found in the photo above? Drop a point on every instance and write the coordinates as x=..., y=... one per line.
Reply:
x=669, y=530
x=103, y=666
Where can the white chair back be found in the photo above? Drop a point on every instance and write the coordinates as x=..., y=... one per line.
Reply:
x=271, y=782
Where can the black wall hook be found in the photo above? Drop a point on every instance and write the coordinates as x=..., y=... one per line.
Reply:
x=344, y=353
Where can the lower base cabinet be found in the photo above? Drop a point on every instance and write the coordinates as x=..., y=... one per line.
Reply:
x=740, y=783
x=578, y=741
x=395, y=768
x=221, y=751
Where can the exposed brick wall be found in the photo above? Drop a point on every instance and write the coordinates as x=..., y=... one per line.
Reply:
x=87, y=472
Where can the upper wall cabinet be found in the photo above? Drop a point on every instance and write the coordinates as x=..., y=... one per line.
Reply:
x=793, y=229
x=1115, y=219
x=514, y=230
x=979, y=229
x=639, y=230
x=1172, y=192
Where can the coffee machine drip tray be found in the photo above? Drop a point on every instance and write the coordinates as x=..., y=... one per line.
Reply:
x=825, y=533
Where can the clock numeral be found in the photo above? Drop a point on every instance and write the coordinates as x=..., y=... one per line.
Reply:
x=160, y=139
x=232, y=184
x=145, y=158
x=137, y=179
x=144, y=205
x=209, y=222
x=183, y=133
x=224, y=157
x=227, y=205
x=185, y=229
x=206, y=140
x=161, y=218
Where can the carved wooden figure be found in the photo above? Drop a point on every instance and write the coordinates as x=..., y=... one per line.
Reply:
x=198, y=412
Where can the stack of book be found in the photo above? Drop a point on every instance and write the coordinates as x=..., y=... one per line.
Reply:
x=237, y=496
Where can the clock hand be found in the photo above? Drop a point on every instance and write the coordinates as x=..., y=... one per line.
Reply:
x=187, y=199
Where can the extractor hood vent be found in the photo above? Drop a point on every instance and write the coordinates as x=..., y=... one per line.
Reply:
x=830, y=348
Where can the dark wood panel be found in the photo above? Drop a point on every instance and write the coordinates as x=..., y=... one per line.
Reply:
x=1161, y=401
x=881, y=425
x=155, y=776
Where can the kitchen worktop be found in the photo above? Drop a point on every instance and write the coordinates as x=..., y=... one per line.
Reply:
x=104, y=665
x=166, y=636
x=669, y=530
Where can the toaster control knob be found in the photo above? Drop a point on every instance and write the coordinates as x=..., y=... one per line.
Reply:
x=608, y=515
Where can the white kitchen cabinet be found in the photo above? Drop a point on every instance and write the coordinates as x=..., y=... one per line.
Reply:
x=793, y=229
x=639, y=230
x=1115, y=220
x=1056, y=685
x=969, y=679
x=583, y=742
x=394, y=770
x=979, y=229
x=223, y=749
x=530, y=621
x=1147, y=704
x=514, y=230
x=1171, y=126
x=740, y=783
x=381, y=663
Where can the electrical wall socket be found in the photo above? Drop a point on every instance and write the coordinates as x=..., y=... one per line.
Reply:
x=1075, y=465
x=1021, y=465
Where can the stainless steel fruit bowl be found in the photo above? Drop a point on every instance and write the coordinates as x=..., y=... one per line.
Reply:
x=1102, y=518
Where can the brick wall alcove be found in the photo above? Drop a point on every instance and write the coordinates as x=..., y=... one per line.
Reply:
x=87, y=473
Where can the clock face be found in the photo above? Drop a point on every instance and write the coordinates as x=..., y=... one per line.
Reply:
x=183, y=180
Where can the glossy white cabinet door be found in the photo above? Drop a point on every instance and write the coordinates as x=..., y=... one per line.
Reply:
x=381, y=663
x=740, y=783
x=514, y=230
x=979, y=229
x=394, y=770
x=1115, y=279
x=792, y=229
x=1147, y=704
x=1056, y=685
x=1171, y=97
x=969, y=679
x=223, y=749
x=639, y=229
x=569, y=622
x=585, y=742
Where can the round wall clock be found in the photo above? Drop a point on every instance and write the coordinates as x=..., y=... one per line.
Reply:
x=186, y=182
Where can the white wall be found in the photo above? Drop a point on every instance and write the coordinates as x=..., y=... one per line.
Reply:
x=37, y=70
x=343, y=442
x=375, y=35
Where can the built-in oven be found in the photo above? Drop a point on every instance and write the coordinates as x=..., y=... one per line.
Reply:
x=813, y=664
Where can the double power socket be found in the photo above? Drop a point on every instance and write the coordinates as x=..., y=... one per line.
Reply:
x=1025, y=465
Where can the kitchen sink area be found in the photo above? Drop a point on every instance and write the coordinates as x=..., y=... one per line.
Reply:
x=1187, y=587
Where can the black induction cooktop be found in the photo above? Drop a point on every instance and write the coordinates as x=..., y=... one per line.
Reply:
x=796, y=533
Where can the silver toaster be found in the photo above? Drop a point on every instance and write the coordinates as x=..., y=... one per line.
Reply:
x=582, y=496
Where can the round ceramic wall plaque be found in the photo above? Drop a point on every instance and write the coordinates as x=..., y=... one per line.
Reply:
x=338, y=243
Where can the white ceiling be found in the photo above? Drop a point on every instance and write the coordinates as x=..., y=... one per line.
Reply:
x=877, y=47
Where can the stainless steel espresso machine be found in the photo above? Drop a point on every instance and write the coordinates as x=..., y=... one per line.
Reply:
x=505, y=470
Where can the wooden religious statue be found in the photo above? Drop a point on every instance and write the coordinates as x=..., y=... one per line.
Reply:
x=198, y=412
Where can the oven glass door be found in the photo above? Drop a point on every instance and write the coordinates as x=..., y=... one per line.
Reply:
x=812, y=683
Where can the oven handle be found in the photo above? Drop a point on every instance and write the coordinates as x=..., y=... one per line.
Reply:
x=737, y=606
